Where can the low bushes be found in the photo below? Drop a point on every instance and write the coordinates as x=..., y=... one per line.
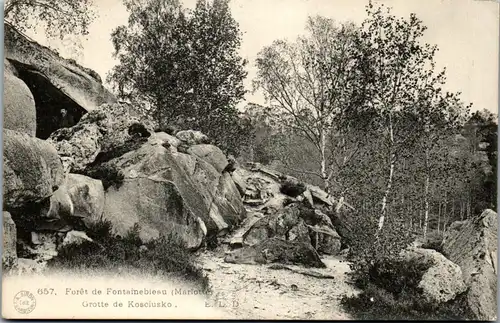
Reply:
x=388, y=282
x=434, y=240
x=109, y=252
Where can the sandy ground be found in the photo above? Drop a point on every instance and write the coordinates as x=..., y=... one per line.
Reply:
x=259, y=292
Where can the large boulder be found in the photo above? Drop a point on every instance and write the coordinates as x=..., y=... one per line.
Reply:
x=276, y=250
x=9, y=253
x=19, y=111
x=32, y=169
x=211, y=154
x=443, y=280
x=81, y=142
x=168, y=193
x=473, y=246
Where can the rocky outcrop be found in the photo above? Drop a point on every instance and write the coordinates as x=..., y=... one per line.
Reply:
x=442, y=281
x=296, y=222
x=182, y=195
x=19, y=112
x=83, y=86
x=161, y=200
x=172, y=194
x=286, y=225
x=108, y=131
x=275, y=194
x=263, y=183
x=9, y=253
x=473, y=246
x=275, y=250
x=32, y=169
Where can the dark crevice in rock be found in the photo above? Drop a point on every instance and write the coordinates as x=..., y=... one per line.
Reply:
x=132, y=144
x=54, y=109
x=110, y=174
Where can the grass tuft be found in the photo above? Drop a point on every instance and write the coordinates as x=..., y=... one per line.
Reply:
x=110, y=252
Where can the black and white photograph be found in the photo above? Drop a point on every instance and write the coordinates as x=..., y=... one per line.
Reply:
x=250, y=159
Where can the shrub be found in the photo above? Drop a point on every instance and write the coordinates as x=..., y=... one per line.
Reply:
x=365, y=248
x=110, y=252
x=292, y=188
x=376, y=303
x=388, y=282
x=434, y=240
x=109, y=174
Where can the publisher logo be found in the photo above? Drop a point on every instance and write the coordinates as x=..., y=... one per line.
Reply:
x=24, y=302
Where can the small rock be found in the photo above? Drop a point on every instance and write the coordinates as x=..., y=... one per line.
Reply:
x=75, y=237
x=192, y=137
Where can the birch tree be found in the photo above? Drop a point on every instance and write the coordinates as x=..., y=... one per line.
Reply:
x=402, y=88
x=440, y=115
x=307, y=83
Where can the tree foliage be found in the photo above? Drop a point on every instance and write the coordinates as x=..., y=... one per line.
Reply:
x=60, y=17
x=310, y=85
x=409, y=144
x=185, y=64
x=402, y=90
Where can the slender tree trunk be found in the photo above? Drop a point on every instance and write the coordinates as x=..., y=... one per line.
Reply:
x=468, y=205
x=340, y=203
x=324, y=174
x=445, y=216
x=392, y=163
x=426, y=194
x=386, y=196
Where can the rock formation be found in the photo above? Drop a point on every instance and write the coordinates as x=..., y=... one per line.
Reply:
x=443, y=280
x=281, y=206
x=32, y=169
x=472, y=245
x=55, y=83
x=276, y=250
x=176, y=185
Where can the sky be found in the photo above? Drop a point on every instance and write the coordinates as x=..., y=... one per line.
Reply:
x=466, y=32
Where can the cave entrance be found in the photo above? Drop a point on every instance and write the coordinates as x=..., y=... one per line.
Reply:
x=54, y=109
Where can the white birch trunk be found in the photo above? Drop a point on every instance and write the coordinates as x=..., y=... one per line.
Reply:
x=383, y=212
